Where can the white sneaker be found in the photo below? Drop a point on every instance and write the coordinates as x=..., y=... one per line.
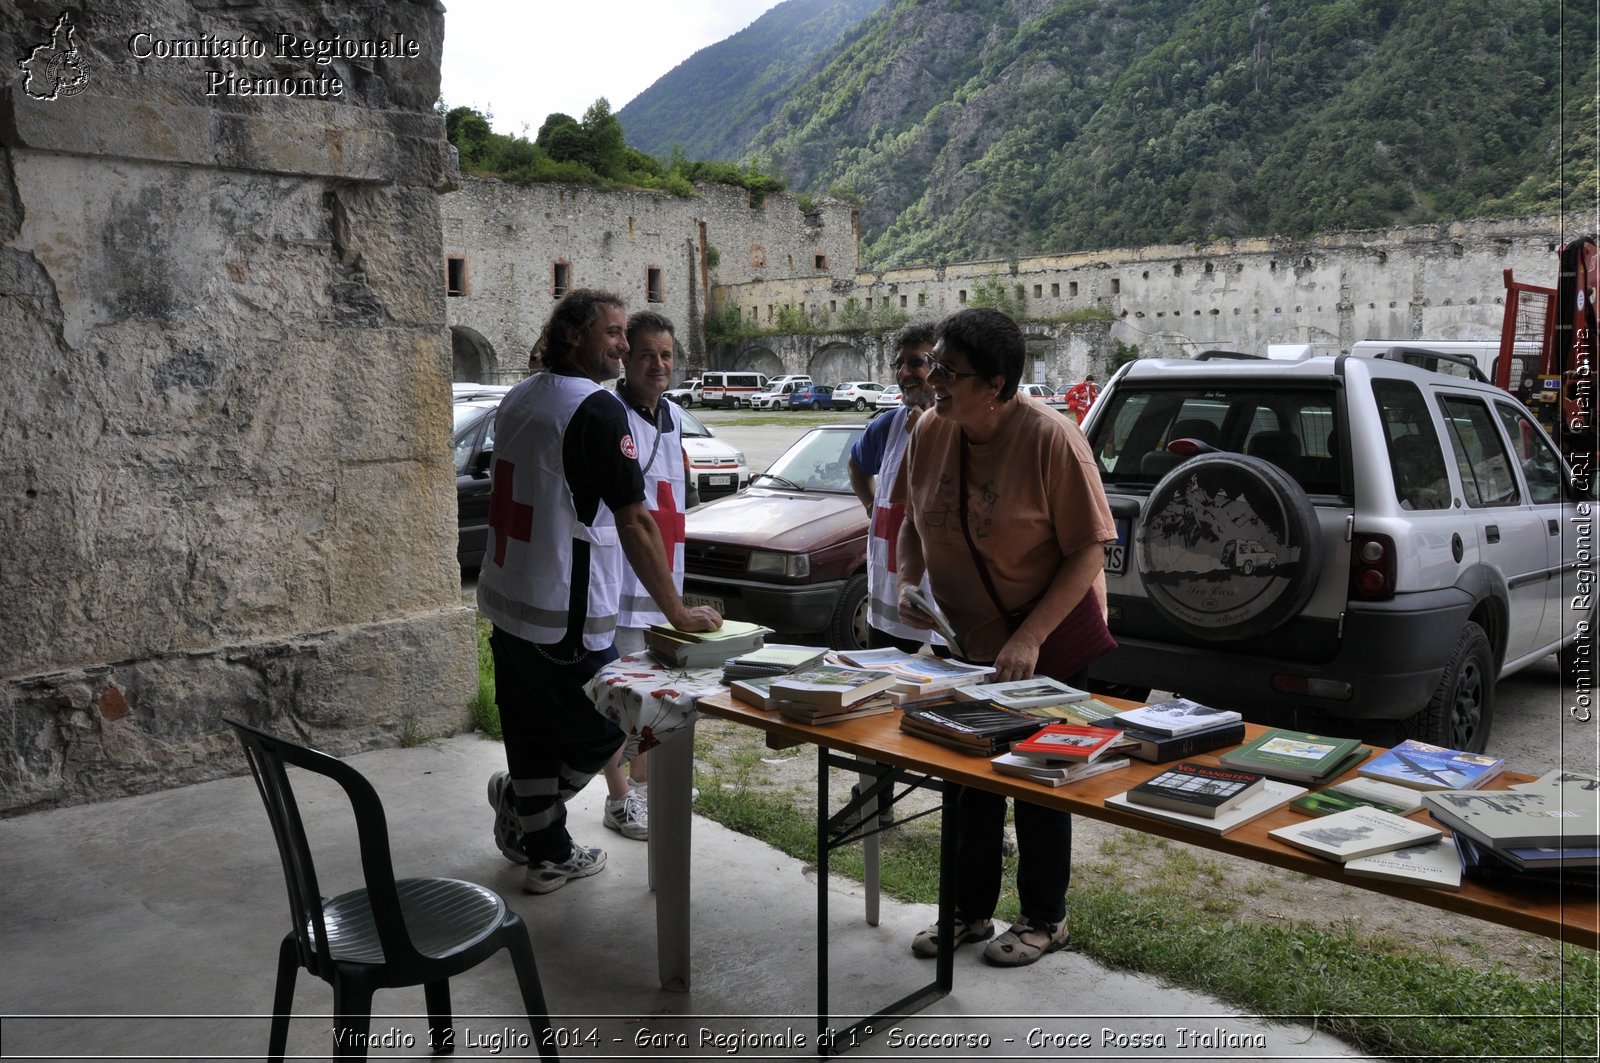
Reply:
x=629, y=815
x=507, y=829
x=547, y=875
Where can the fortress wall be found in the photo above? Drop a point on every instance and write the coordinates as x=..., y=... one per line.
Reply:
x=225, y=432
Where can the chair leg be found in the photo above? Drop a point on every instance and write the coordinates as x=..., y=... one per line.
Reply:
x=532, y=994
x=352, y=1018
x=441, y=1035
x=283, y=998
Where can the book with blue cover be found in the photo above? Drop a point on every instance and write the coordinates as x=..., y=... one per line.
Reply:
x=1423, y=766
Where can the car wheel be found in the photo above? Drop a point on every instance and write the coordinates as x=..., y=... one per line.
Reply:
x=861, y=404
x=1181, y=537
x=1462, y=709
x=848, y=628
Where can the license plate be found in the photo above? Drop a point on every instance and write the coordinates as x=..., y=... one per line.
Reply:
x=692, y=600
x=1117, y=552
x=719, y=481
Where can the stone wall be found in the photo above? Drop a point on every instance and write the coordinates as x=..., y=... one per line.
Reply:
x=513, y=239
x=224, y=444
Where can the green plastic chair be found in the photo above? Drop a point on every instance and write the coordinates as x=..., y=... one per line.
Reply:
x=415, y=931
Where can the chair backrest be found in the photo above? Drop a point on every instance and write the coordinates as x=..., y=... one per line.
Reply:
x=1194, y=428
x=267, y=756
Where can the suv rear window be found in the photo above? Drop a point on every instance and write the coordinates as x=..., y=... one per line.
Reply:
x=1295, y=429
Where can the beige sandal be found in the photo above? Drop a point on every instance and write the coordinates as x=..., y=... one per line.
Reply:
x=926, y=944
x=1009, y=950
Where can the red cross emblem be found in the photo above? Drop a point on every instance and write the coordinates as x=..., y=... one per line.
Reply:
x=508, y=518
x=669, y=520
x=886, y=521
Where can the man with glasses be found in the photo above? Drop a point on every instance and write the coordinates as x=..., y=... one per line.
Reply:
x=874, y=464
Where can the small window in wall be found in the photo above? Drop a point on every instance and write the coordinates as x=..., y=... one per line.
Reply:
x=1072, y=289
x=820, y=261
x=869, y=302
x=455, y=276
x=560, y=279
x=833, y=306
x=1038, y=291
x=961, y=296
x=1116, y=286
x=922, y=298
x=652, y=286
x=903, y=301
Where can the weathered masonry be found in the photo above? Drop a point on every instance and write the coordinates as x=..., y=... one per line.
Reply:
x=224, y=439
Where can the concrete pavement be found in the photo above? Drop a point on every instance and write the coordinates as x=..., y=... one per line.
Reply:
x=147, y=927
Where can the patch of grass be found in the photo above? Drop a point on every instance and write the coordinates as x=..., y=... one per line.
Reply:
x=411, y=734
x=485, y=713
x=1383, y=996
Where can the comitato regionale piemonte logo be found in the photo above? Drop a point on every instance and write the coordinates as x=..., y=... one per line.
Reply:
x=57, y=68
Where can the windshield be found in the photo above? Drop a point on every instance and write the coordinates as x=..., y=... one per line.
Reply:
x=819, y=462
x=692, y=428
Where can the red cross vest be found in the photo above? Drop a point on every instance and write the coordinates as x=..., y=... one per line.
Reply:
x=538, y=550
x=883, y=585
x=661, y=461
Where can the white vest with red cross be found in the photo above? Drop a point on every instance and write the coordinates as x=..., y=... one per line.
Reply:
x=883, y=585
x=661, y=461
x=539, y=553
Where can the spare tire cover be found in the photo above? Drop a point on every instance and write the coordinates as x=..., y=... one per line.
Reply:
x=1227, y=547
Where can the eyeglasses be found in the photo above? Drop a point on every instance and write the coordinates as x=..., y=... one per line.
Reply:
x=911, y=363
x=938, y=369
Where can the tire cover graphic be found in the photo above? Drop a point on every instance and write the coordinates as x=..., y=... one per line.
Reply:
x=1226, y=546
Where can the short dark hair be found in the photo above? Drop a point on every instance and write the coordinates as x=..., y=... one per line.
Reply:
x=649, y=321
x=991, y=341
x=572, y=316
x=918, y=332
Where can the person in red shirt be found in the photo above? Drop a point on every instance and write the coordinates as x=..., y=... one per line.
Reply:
x=1080, y=396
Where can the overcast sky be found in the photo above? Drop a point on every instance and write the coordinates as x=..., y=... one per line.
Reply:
x=522, y=60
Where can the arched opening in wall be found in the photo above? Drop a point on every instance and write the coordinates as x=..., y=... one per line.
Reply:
x=757, y=358
x=840, y=361
x=472, y=358
x=1039, y=364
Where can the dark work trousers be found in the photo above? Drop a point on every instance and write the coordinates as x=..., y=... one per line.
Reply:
x=555, y=739
x=1044, y=852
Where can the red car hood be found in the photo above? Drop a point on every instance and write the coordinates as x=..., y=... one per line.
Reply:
x=790, y=521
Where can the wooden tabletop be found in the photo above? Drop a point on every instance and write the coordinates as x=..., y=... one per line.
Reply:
x=1569, y=913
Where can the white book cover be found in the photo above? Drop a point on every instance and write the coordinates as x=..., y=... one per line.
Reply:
x=1505, y=819
x=1024, y=693
x=1177, y=716
x=1274, y=794
x=1023, y=767
x=1429, y=864
x=1403, y=797
x=1356, y=832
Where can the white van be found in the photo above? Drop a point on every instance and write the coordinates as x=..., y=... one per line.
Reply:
x=729, y=390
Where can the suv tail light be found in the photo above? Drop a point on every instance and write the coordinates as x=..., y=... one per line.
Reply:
x=1372, y=568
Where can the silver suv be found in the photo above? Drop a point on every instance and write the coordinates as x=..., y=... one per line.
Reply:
x=1337, y=543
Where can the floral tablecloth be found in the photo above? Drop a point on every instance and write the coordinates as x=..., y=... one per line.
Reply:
x=649, y=700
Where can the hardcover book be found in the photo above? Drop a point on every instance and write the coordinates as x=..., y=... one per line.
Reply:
x=1273, y=795
x=819, y=715
x=1435, y=864
x=1026, y=768
x=678, y=651
x=1058, y=743
x=1023, y=693
x=1428, y=767
x=1293, y=755
x=1517, y=819
x=831, y=685
x=919, y=673
x=1358, y=832
x=1359, y=793
x=1159, y=749
x=1177, y=716
x=756, y=691
x=730, y=631
x=1197, y=789
x=978, y=726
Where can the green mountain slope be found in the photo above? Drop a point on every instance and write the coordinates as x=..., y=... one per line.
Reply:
x=976, y=129
x=712, y=103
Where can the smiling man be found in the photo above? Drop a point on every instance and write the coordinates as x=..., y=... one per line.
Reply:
x=874, y=463
x=567, y=504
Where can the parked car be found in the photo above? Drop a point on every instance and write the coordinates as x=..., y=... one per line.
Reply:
x=1043, y=393
x=856, y=394
x=718, y=470
x=778, y=396
x=731, y=390
x=687, y=395
x=812, y=397
x=790, y=378
x=464, y=392
x=888, y=398
x=1337, y=544
x=790, y=552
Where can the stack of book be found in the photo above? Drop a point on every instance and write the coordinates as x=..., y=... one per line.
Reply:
x=1170, y=730
x=979, y=727
x=1550, y=825
x=828, y=693
x=1024, y=694
x=1297, y=756
x=702, y=649
x=1060, y=753
x=1197, y=789
x=1422, y=766
x=920, y=677
x=771, y=659
x=1271, y=795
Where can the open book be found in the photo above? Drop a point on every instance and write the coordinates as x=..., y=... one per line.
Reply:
x=941, y=623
